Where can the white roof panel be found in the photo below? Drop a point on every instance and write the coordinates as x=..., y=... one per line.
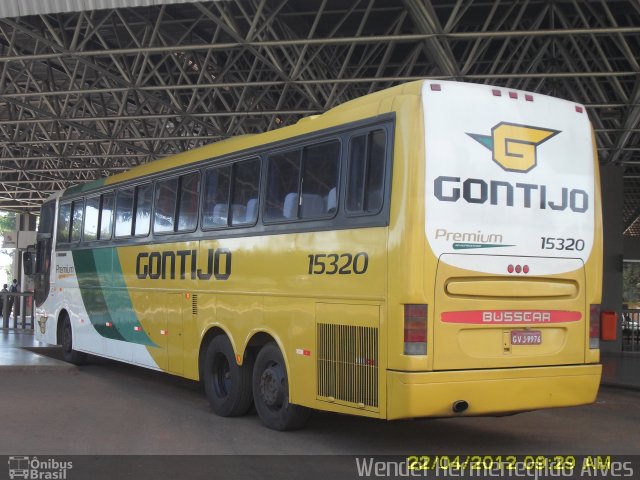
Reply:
x=20, y=8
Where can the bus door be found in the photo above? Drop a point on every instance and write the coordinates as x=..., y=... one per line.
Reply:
x=44, y=244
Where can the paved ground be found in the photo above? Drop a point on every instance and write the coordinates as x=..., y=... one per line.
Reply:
x=111, y=408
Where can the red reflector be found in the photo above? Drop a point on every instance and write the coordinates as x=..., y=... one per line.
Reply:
x=435, y=87
x=513, y=95
x=518, y=268
x=510, y=269
x=525, y=269
x=528, y=98
x=415, y=331
x=579, y=109
x=496, y=93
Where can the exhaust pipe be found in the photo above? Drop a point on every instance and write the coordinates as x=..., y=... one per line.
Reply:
x=459, y=406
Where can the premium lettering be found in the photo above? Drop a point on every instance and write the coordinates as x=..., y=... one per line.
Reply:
x=478, y=236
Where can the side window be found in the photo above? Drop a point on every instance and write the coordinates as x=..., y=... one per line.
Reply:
x=303, y=183
x=320, y=180
x=106, y=216
x=77, y=209
x=215, y=206
x=244, y=202
x=283, y=179
x=144, y=198
x=165, y=205
x=176, y=204
x=64, y=222
x=188, y=204
x=124, y=212
x=91, y=218
x=365, y=178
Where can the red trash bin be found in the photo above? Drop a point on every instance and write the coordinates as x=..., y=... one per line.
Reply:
x=608, y=327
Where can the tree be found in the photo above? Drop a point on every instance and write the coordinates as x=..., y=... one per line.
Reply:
x=7, y=224
x=631, y=282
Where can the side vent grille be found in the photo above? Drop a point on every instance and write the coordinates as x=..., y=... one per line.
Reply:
x=194, y=304
x=348, y=365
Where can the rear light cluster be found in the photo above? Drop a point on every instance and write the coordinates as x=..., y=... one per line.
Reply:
x=518, y=269
x=594, y=326
x=415, y=329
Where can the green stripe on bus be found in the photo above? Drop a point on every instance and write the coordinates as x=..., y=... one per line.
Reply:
x=105, y=298
x=84, y=187
x=120, y=306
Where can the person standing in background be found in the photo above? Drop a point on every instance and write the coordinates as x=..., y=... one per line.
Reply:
x=3, y=297
x=12, y=289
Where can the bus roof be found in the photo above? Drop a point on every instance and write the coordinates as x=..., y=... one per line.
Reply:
x=358, y=108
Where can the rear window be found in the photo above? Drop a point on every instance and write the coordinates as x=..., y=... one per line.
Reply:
x=365, y=179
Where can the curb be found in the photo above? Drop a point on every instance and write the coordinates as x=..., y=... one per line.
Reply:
x=624, y=386
x=39, y=368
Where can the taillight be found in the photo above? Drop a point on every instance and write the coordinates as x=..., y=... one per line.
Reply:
x=594, y=326
x=415, y=329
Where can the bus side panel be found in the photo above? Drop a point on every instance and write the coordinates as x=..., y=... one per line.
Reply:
x=293, y=273
x=71, y=271
x=593, y=266
x=290, y=321
x=406, y=247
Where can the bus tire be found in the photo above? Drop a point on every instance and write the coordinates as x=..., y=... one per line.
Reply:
x=68, y=353
x=227, y=384
x=271, y=392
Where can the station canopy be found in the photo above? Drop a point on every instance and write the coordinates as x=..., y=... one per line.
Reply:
x=89, y=88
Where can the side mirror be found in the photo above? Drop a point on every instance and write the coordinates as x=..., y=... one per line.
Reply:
x=27, y=263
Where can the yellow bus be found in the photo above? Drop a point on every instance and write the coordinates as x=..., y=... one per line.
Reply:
x=429, y=250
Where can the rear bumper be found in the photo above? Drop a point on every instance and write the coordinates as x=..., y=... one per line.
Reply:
x=490, y=392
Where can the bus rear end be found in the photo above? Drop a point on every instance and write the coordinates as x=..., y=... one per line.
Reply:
x=513, y=254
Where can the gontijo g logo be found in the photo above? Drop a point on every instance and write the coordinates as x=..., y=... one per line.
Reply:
x=514, y=146
x=514, y=149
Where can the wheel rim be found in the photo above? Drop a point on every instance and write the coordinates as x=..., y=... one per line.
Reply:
x=221, y=376
x=272, y=386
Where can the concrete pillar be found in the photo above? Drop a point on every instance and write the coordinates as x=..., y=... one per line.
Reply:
x=612, y=181
x=25, y=222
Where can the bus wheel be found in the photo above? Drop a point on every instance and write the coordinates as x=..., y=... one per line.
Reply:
x=271, y=392
x=227, y=384
x=68, y=353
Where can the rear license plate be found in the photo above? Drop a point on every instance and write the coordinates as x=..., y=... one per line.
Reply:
x=526, y=337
